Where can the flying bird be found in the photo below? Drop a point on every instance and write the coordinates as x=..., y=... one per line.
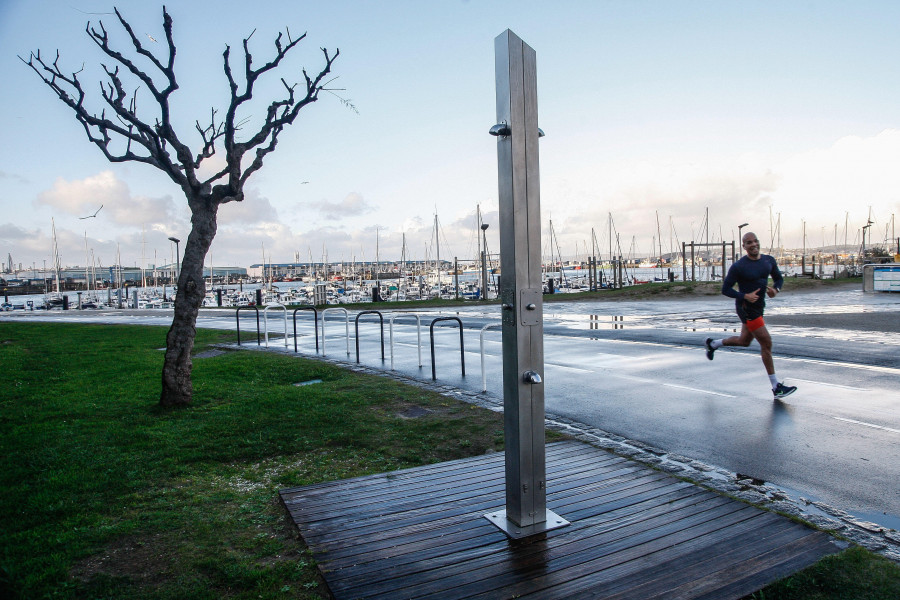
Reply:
x=91, y=216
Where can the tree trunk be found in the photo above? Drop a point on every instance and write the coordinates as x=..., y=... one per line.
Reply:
x=177, y=389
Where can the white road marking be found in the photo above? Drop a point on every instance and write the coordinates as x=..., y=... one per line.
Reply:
x=645, y=380
x=872, y=425
x=690, y=389
x=837, y=363
x=568, y=368
x=834, y=385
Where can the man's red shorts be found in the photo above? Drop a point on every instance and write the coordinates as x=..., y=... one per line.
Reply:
x=754, y=324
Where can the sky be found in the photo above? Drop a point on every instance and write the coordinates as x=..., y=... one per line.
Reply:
x=666, y=121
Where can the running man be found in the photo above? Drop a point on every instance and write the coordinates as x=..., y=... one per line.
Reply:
x=751, y=274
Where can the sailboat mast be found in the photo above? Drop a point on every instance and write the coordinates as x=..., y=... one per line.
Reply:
x=55, y=254
x=143, y=255
x=437, y=250
x=87, y=279
x=478, y=229
x=609, y=222
x=553, y=263
x=778, y=229
x=403, y=282
x=659, y=238
x=671, y=231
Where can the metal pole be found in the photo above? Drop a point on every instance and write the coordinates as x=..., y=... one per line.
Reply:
x=740, y=240
x=483, y=277
x=517, y=134
x=724, y=257
x=456, y=275
x=484, y=257
x=693, y=278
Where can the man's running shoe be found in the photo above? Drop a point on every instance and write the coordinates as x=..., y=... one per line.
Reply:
x=709, y=349
x=783, y=391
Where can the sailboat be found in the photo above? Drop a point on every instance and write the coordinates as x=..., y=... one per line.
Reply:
x=54, y=299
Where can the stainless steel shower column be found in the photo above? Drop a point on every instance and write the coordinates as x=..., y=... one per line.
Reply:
x=517, y=134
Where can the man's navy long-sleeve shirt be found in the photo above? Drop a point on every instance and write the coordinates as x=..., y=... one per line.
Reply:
x=750, y=276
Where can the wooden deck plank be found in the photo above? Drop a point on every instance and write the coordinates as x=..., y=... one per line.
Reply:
x=359, y=506
x=614, y=506
x=653, y=574
x=355, y=500
x=777, y=564
x=480, y=499
x=588, y=555
x=634, y=533
x=700, y=568
x=446, y=555
x=493, y=571
x=616, y=503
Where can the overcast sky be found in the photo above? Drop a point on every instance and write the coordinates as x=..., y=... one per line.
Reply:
x=655, y=112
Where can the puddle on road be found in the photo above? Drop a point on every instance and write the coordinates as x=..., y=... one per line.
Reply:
x=613, y=322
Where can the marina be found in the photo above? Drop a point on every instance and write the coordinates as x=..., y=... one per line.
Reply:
x=281, y=285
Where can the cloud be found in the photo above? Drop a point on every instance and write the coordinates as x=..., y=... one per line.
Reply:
x=84, y=197
x=823, y=186
x=657, y=199
x=253, y=209
x=352, y=205
x=820, y=186
x=23, y=244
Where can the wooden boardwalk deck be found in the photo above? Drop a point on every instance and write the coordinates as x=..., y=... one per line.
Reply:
x=634, y=533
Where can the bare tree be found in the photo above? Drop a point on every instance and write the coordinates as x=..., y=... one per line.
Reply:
x=122, y=135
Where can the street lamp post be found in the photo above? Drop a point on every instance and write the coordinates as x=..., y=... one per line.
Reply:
x=177, y=257
x=862, y=258
x=740, y=240
x=484, y=277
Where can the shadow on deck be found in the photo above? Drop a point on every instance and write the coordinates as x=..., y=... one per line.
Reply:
x=634, y=533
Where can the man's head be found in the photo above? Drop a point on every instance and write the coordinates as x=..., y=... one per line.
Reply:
x=751, y=245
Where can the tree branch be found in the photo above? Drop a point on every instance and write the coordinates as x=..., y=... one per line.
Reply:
x=279, y=114
x=156, y=142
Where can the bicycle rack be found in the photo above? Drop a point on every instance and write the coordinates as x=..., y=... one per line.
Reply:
x=237, y=316
x=481, y=343
x=462, y=355
x=315, y=325
x=347, y=317
x=266, y=321
x=418, y=334
x=356, y=331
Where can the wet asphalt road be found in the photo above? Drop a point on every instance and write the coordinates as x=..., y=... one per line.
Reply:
x=638, y=369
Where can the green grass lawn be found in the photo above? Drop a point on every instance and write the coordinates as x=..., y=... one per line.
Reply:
x=105, y=495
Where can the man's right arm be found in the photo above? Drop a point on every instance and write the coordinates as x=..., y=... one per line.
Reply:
x=728, y=283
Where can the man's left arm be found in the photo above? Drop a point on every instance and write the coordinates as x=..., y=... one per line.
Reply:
x=777, y=280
